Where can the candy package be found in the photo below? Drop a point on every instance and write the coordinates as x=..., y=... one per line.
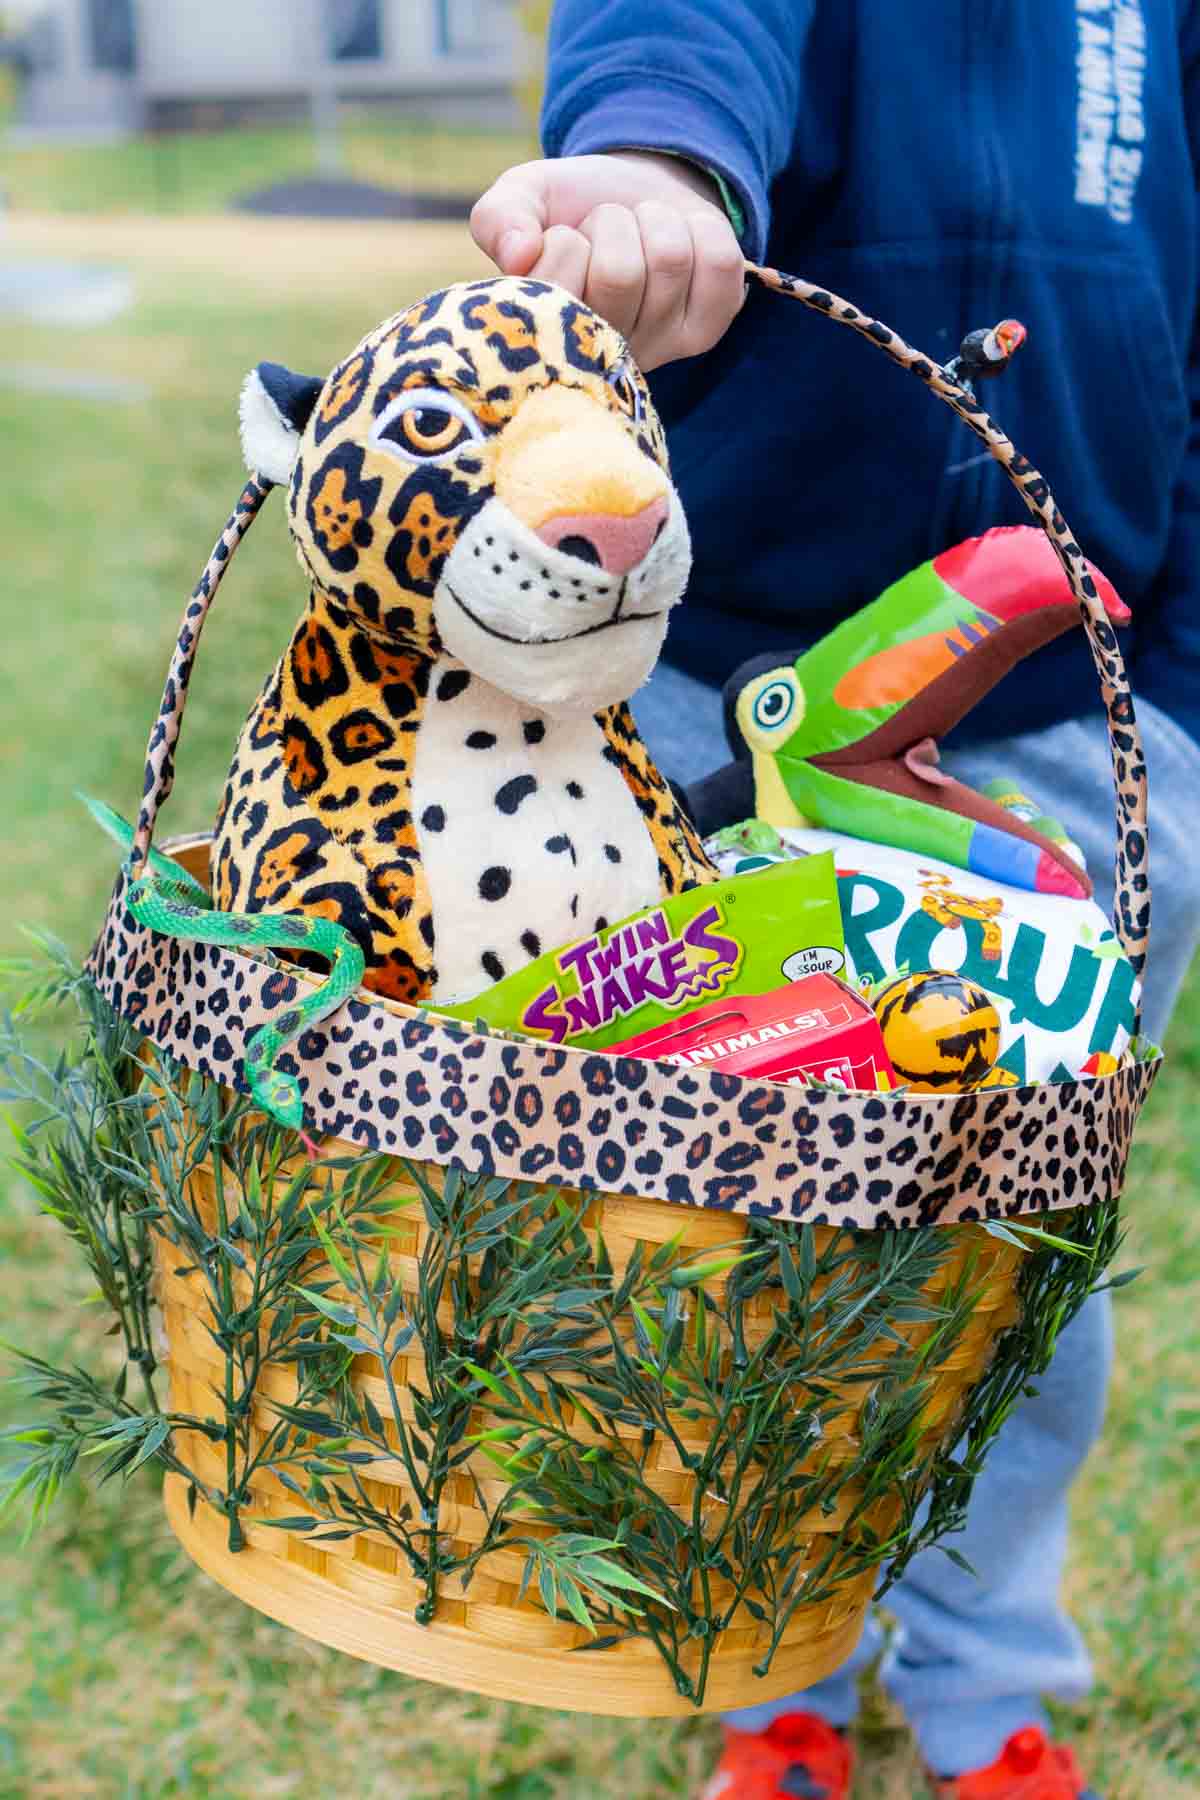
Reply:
x=1064, y=989
x=816, y=1029
x=744, y=935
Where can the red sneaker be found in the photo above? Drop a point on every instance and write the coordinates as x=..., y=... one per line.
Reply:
x=799, y=1757
x=1029, y=1767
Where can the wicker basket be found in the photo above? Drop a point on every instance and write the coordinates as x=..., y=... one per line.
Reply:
x=978, y=1157
x=352, y=1594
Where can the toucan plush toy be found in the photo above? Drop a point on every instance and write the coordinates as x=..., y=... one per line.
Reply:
x=846, y=735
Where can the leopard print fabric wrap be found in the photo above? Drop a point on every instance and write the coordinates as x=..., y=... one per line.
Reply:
x=164, y=734
x=381, y=1077
x=1132, y=905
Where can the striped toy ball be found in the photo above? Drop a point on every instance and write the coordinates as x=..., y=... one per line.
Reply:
x=941, y=1031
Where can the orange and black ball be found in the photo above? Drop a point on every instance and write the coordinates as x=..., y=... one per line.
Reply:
x=941, y=1031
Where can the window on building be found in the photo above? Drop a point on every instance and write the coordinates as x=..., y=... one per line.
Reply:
x=112, y=35
x=468, y=27
x=355, y=30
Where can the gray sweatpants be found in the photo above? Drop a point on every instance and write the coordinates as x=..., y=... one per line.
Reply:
x=974, y=1653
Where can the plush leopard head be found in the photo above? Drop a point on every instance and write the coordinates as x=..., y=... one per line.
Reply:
x=485, y=476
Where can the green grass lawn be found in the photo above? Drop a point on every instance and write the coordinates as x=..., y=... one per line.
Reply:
x=124, y=1674
x=204, y=171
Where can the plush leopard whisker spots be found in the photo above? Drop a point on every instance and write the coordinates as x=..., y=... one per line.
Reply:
x=491, y=965
x=533, y=730
x=481, y=740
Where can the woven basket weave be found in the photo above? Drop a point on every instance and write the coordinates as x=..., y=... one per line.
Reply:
x=966, y=1159
x=352, y=1594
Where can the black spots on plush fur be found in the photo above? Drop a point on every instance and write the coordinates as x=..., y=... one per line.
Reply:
x=400, y=698
x=510, y=796
x=583, y=338
x=339, y=507
x=362, y=655
x=303, y=756
x=401, y=622
x=393, y=825
x=612, y=853
x=531, y=943
x=401, y=978
x=428, y=512
x=575, y=791
x=507, y=328
x=317, y=667
x=491, y=965
x=561, y=845
x=433, y=819
x=293, y=853
x=453, y=683
x=347, y=905
x=366, y=600
x=343, y=391
x=533, y=730
x=360, y=735
x=481, y=740
x=332, y=803
x=495, y=882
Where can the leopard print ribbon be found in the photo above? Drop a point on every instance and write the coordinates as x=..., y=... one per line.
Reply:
x=1131, y=911
x=380, y=1077
x=159, y=778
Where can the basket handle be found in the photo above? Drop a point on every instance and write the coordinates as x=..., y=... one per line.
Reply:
x=1131, y=902
x=1131, y=910
x=159, y=777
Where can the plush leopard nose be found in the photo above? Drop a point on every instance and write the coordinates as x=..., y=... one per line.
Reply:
x=568, y=468
x=606, y=540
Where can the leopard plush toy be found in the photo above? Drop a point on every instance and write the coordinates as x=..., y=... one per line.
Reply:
x=443, y=761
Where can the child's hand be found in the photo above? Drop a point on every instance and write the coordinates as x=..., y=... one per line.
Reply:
x=641, y=238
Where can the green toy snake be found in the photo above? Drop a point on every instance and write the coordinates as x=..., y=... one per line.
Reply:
x=171, y=901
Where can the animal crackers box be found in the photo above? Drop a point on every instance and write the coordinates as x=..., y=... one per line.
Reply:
x=812, y=1029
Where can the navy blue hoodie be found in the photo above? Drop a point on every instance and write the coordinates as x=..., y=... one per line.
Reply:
x=942, y=164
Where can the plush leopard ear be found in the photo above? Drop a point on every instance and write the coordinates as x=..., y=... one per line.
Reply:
x=274, y=409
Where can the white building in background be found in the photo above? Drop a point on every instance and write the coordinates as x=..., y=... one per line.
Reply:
x=112, y=65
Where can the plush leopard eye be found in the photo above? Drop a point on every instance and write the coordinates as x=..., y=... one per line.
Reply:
x=425, y=425
x=629, y=397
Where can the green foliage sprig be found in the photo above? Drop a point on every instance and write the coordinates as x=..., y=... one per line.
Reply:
x=534, y=1354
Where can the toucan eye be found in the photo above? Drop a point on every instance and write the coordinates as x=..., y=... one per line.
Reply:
x=425, y=425
x=775, y=705
x=628, y=394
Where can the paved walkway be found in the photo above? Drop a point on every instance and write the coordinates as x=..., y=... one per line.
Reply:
x=62, y=293
x=339, y=197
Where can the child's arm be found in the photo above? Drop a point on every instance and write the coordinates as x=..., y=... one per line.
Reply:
x=667, y=92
